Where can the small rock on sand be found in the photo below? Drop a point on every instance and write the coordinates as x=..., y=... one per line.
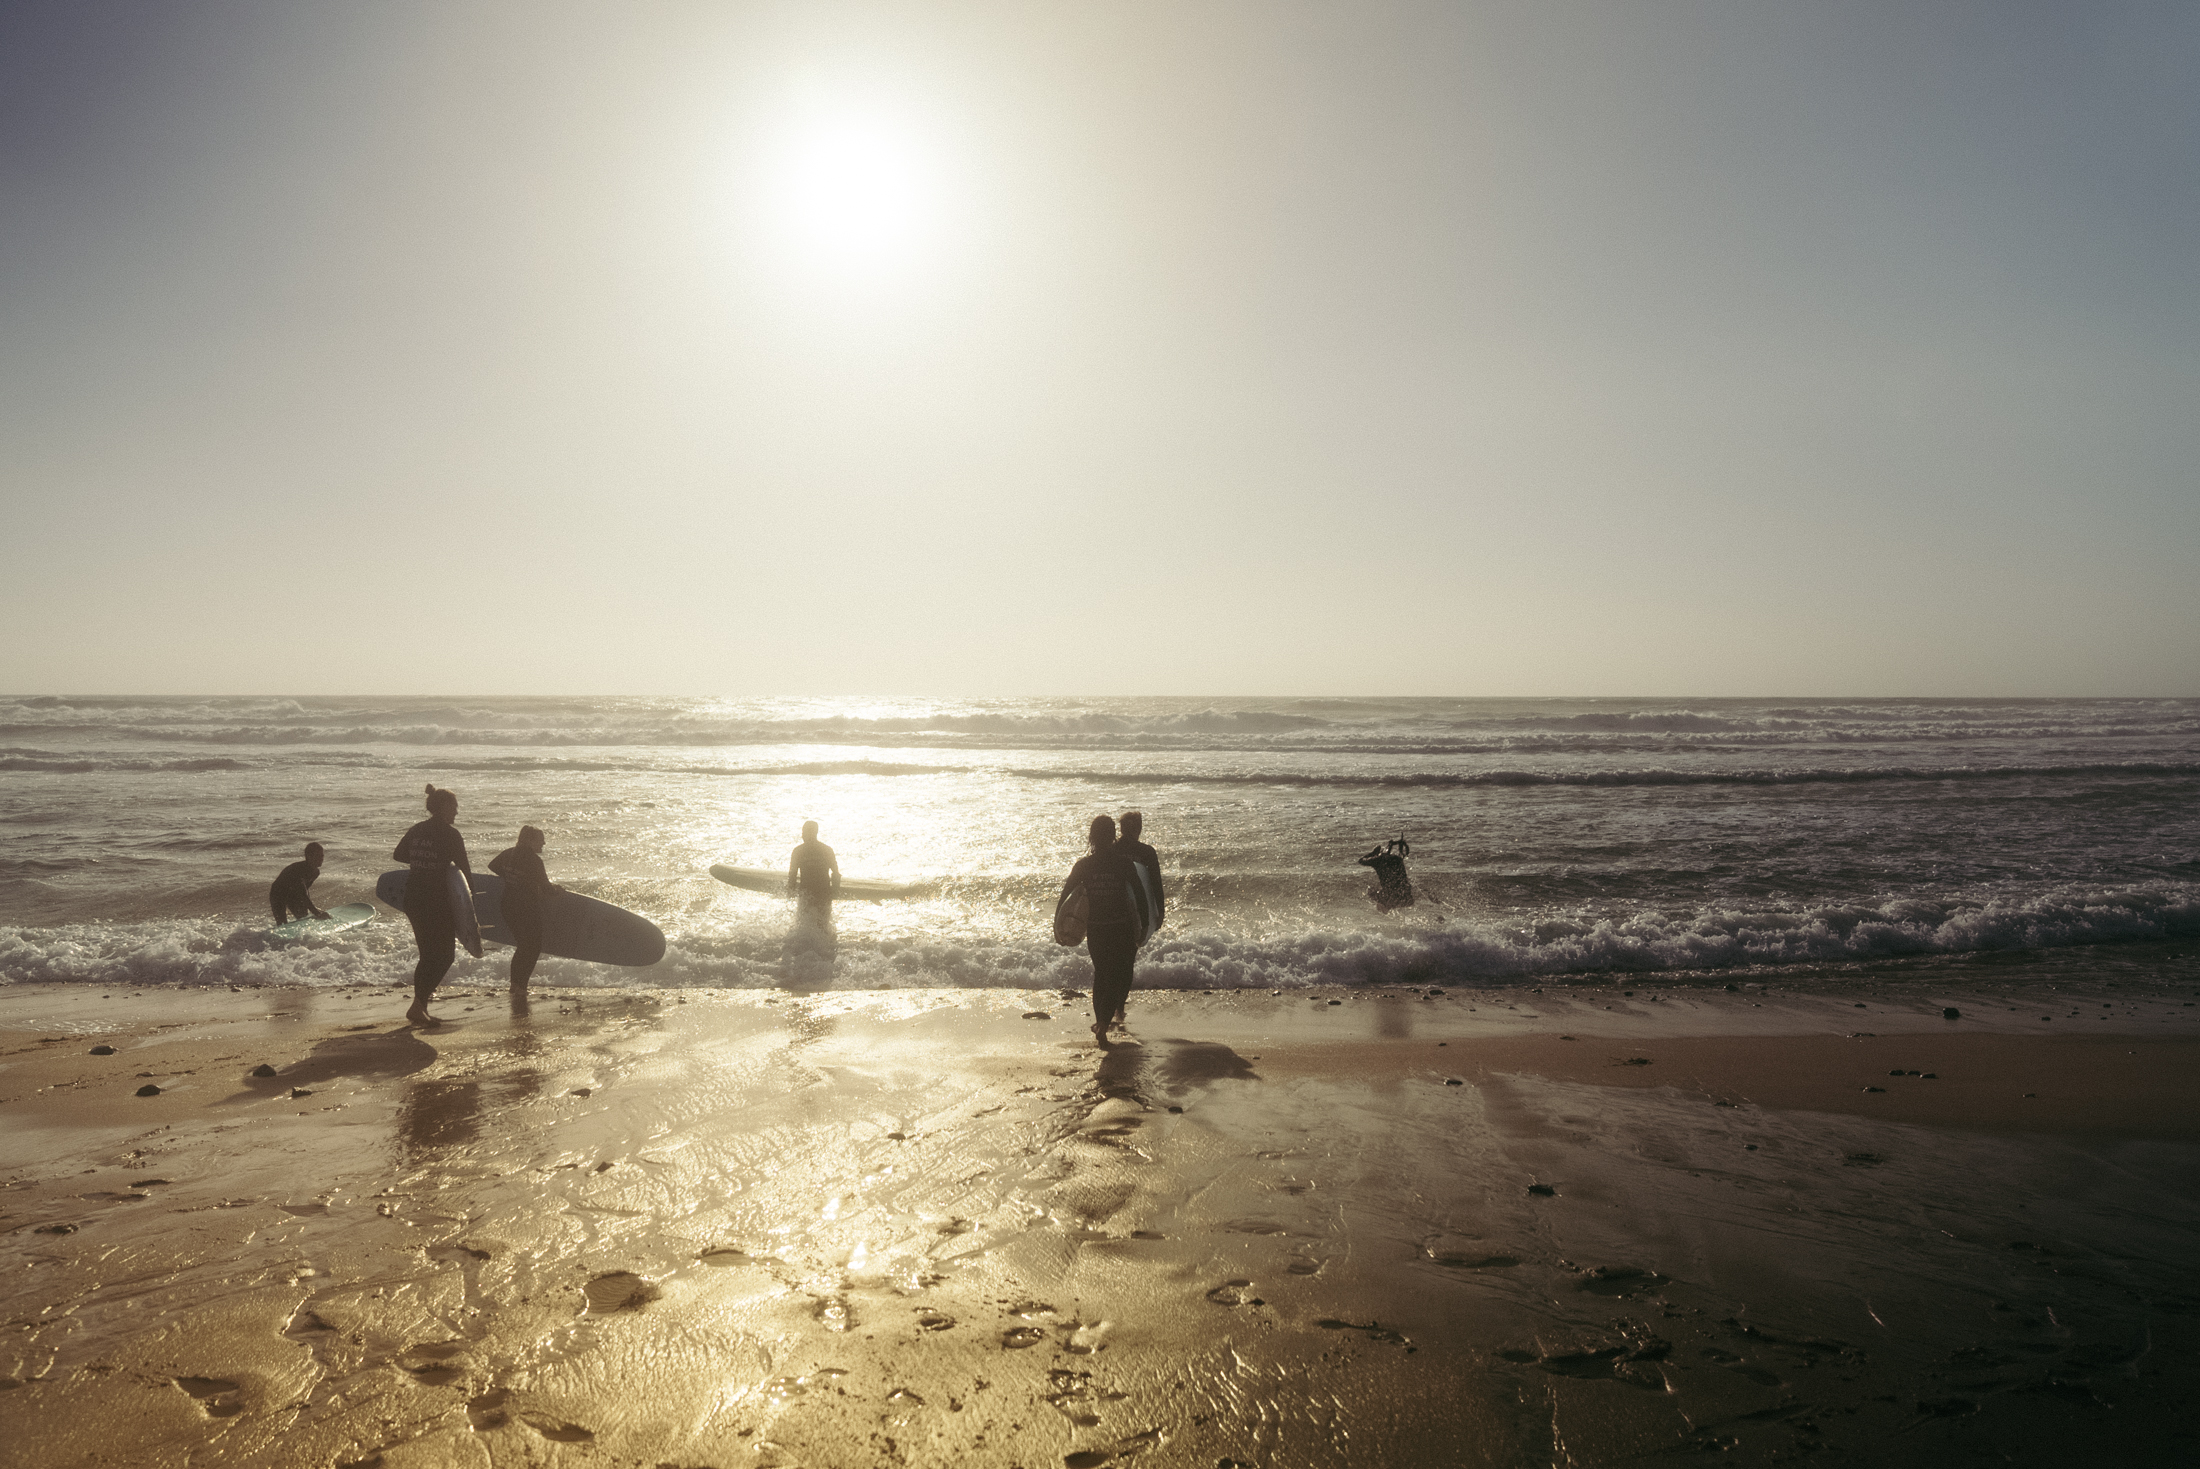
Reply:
x=148, y=1090
x=263, y=1069
x=1875, y=1088
x=1951, y=1013
x=1542, y=1190
x=103, y=1050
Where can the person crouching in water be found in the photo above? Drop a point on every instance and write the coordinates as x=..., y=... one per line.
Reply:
x=527, y=890
x=1111, y=931
x=287, y=895
x=431, y=849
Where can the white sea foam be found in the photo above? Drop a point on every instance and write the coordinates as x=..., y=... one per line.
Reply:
x=213, y=953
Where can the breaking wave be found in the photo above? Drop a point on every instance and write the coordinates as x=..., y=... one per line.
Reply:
x=216, y=952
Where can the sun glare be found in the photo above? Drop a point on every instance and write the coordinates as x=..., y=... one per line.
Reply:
x=853, y=190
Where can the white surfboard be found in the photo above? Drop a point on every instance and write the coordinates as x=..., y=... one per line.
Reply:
x=463, y=917
x=340, y=917
x=770, y=880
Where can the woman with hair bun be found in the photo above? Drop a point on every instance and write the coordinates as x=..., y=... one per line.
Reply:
x=431, y=849
x=527, y=890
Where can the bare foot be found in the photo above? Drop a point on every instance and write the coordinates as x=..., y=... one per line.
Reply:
x=418, y=1016
x=1100, y=1037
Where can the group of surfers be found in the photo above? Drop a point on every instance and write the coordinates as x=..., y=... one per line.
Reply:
x=431, y=848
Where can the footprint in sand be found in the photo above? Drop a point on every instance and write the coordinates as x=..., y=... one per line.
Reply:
x=217, y=1395
x=620, y=1290
x=1231, y=1293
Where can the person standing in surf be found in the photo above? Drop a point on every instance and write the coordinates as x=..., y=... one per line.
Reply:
x=813, y=876
x=287, y=895
x=1111, y=928
x=1130, y=824
x=431, y=849
x=527, y=889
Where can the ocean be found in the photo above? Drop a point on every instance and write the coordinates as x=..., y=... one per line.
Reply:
x=1553, y=840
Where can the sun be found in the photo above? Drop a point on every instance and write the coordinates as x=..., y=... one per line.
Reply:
x=853, y=188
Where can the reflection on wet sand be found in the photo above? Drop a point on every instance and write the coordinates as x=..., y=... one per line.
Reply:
x=773, y=1229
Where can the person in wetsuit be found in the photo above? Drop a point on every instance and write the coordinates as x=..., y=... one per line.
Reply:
x=287, y=896
x=1131, y=823
x=1111, y=928
x=813, y=874
x=430, y=849
x=527, y=889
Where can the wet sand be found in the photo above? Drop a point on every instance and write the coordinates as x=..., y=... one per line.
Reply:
x=937, y=1227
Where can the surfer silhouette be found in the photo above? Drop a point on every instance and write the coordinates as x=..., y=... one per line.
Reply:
x=1130, y=824
x=813, y=873
x=527, y=889
x=1393, y=889
x=430, y=849
x=1111, y=928
x=287, y=895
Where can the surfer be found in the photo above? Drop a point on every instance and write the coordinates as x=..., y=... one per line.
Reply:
x=1111, y=930
x=1131, y=823
x=432, y=848
x=287, y=895
x=527, y=889
x=1393, y=889
x=813, y=874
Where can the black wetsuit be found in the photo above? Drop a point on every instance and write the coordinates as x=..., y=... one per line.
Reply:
x=1140, y=852
x=287, y=896
x=430, y=849
x=813, y=866
x=526, y=895
x=1111, y=928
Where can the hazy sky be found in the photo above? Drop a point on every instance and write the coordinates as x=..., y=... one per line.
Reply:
x=1100, y=347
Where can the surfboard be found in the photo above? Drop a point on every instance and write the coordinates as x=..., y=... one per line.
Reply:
x=341, y=917
x=576, y=927
x=1145, y=903
x=858, y=889
x=463, y=917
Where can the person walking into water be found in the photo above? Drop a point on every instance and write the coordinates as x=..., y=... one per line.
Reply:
x=287, y=895
x=431, y=849
x=527, y=889
x=1130, y=825
x=813, y=874
x=1111, y=927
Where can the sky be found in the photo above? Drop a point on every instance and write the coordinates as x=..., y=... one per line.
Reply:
x=1099, y=347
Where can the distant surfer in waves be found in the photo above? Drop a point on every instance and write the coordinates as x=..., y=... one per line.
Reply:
x=1111, y=928
x=1393, y=889
x=287, y=895
x=430, y=849
x=527, y=890
x=1131, y=823
x=813, y=874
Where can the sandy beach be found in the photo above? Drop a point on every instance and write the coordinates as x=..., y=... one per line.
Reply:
x=1583, y=1225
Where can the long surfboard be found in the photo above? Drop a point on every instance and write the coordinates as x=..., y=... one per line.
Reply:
x=573, y=926
x=767, y=880
x=340, y=917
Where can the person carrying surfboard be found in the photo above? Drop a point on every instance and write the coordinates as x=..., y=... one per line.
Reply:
x=527, y=889
x=1105, y=875
x=813, y=874
x=287, y=895
x=1130, y=824
x=431, y=849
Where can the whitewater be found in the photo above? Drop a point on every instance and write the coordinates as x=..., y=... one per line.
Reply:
x=1554, y=841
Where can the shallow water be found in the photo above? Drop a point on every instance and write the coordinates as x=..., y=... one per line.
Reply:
x=1550, y=837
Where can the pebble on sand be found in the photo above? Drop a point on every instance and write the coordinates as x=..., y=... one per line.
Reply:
x=263, y=1069
x=1875, y=1088
x=148, y=1090
x=1542, y=1190
x=1951, y=1013
x=103, y=1050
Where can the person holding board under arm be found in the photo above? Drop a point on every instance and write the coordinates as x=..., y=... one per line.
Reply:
x=1111, y=923
x=287, y=895
x=431, y=849
x=813, y=874
x=1149, y=861
x=527, y=889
